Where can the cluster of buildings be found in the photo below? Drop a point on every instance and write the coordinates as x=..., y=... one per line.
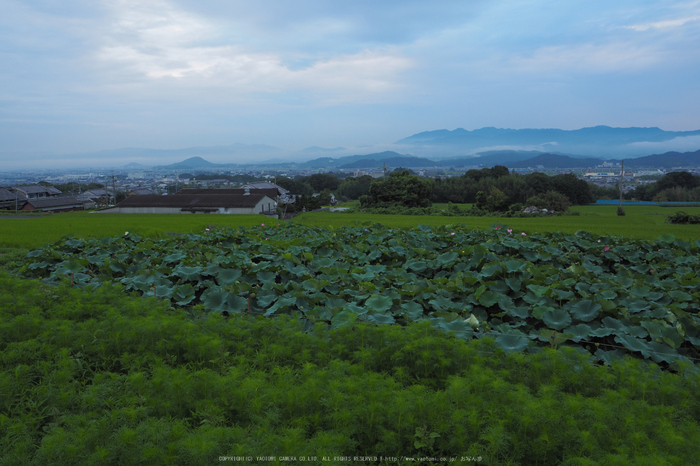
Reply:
x=253, y=198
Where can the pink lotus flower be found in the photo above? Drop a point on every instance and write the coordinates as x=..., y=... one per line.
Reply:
x=452, y=234
x=498, y=227
x=523, y=233
x=262, y=224
x=651, y=270
x=606, y=248
x=510, y=231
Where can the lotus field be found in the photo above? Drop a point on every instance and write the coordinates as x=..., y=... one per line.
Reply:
x=607, y=296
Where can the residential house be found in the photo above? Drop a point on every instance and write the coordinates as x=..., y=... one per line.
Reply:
x=220, y=203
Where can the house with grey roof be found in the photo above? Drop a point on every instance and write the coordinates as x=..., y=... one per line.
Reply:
x=36, y=191
x=55, y=204
x=198, y=203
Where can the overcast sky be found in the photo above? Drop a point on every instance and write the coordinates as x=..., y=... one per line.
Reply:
x=85, y=75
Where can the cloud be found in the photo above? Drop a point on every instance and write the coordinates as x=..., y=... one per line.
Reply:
x=679, y=144
x=156, y=41
x=665, y=24
x=590, y=57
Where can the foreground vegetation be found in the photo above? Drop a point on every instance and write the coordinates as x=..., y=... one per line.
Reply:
x=94, y=370
x=101, y=377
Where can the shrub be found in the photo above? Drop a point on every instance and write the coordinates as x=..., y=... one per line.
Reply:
x=551, y=200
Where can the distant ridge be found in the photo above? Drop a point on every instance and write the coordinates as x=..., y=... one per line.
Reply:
x=591, y=141
x=667, y=160
x=552, y=161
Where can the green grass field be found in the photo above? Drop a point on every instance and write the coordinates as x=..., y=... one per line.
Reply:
x=641, y=222
x=33, y=232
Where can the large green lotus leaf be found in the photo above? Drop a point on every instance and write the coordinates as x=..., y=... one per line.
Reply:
x=592, y=268
x=609, y=357
x=416, y=265
x=538, y=311
x=227, y=276
x=459, y=327
x=364, y=276
x=579, y=332
x=634, y=344
x=285, y=303
x=75, y=244
x=70, y=266
x=506, y=303
x=343, y=318
x=383, y=319
x=615, y=324
x=556, y=319
x=519, y=312
x=447, y=259
x=266, y=277
x=183, y=294
x=35, y=253
x=317, y=313
x=38, y=265
x=514, y=283
x=321, y=262
x=668, y=238
x=514, y=265
x=563, y=295
x=585, y=310
x=412, y=310
x=552, y=337
x=142, y=283
x=265, y=298
x=499, y=286
x=655, y=296
x=640, y=291
x=216, y=300
x=174, y=258
x=442, y=303
x=336, y=303
x=97, y=259
x=539, y=291
x=661, y=352
x=512, y=343
x=378, y=304
x=187, y=273
x=80, y=278
x=488, y=298
x=491, y=270
x=678, y=295
x=359, y=310
x=607, y=294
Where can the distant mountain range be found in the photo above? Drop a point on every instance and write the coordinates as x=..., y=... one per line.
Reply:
x=511, y=159
x=441, y=148
x=594, y=141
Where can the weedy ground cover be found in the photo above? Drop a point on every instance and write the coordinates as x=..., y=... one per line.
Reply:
x=101, y=377
x=608, y=296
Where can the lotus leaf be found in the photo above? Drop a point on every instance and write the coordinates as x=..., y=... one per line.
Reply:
x=585, y=310
x=512, y=343
x=378, y=304
x=556, y=318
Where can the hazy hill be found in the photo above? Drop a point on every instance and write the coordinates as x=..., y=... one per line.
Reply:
x=597, y=140
x=666, y=160
x=551, y=161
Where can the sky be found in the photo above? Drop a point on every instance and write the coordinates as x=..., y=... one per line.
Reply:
x=88, y=75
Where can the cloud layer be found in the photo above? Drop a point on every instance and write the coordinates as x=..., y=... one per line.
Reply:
x=84, y=75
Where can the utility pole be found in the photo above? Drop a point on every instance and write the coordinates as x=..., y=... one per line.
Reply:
x=114, y=191
x=620, y=210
